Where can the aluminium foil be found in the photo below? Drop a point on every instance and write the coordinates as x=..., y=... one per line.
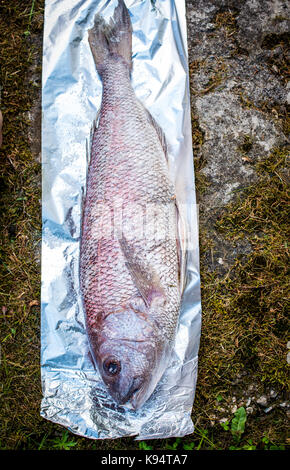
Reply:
x=74, y=395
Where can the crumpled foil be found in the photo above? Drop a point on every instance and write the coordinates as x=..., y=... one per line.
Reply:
x=73, y=392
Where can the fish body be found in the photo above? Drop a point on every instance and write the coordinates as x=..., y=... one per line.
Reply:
x=129, y=260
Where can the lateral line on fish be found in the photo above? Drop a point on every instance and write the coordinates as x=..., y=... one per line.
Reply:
x=130, y=340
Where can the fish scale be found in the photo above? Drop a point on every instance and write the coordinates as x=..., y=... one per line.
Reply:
x=135, y=275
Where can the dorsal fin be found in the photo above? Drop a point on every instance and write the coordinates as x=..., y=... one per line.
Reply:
x=159, y=132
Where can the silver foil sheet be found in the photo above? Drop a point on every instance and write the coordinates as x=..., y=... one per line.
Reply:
x=73, y=392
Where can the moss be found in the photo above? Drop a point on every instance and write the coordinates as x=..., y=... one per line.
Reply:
x=247, y=144
x=244, y=328
x=278, y=59
x=20, y=217
x=215, y=70
x=245, y=322
x=226, y=20
x=271, y=41
x=255, y=296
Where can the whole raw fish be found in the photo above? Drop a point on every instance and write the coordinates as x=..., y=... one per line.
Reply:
x=129, y=265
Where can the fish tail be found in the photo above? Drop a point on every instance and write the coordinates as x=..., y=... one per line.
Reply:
x=112, y=39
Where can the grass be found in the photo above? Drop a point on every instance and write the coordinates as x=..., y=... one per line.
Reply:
x=244, y=310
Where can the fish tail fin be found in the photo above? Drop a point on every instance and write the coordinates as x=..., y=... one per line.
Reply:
x=120, y=41
x=112, y=39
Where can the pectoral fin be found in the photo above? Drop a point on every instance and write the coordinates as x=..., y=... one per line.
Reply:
x=144, y=277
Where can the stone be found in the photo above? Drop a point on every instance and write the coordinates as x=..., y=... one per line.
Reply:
x=259, y=19
x=267, y=410
x=237, y=97
x=262, y=400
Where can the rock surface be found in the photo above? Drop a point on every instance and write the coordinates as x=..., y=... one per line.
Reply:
x=239, y=100
x=239, y=96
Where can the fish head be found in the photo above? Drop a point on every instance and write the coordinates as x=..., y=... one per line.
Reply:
x=128, y=357
x=126, y=369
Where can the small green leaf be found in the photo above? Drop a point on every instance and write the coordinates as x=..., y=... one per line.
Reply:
x=238, y=423
x=174, y=445
x=249, y=445
x=189, y=446
x=144, y=446
x=273, y=447
x=225, y=425
x=63, y=442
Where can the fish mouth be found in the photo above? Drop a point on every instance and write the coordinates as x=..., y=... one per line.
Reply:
x=137, y=399
x=133, y=392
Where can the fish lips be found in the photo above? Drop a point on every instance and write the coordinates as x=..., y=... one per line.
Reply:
x=132, y=394
x=135, y=397
x=139, y=397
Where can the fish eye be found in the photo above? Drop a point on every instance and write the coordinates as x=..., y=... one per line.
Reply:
x=111, y=366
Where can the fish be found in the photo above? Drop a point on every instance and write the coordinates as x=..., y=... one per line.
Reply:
x=130, y=279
